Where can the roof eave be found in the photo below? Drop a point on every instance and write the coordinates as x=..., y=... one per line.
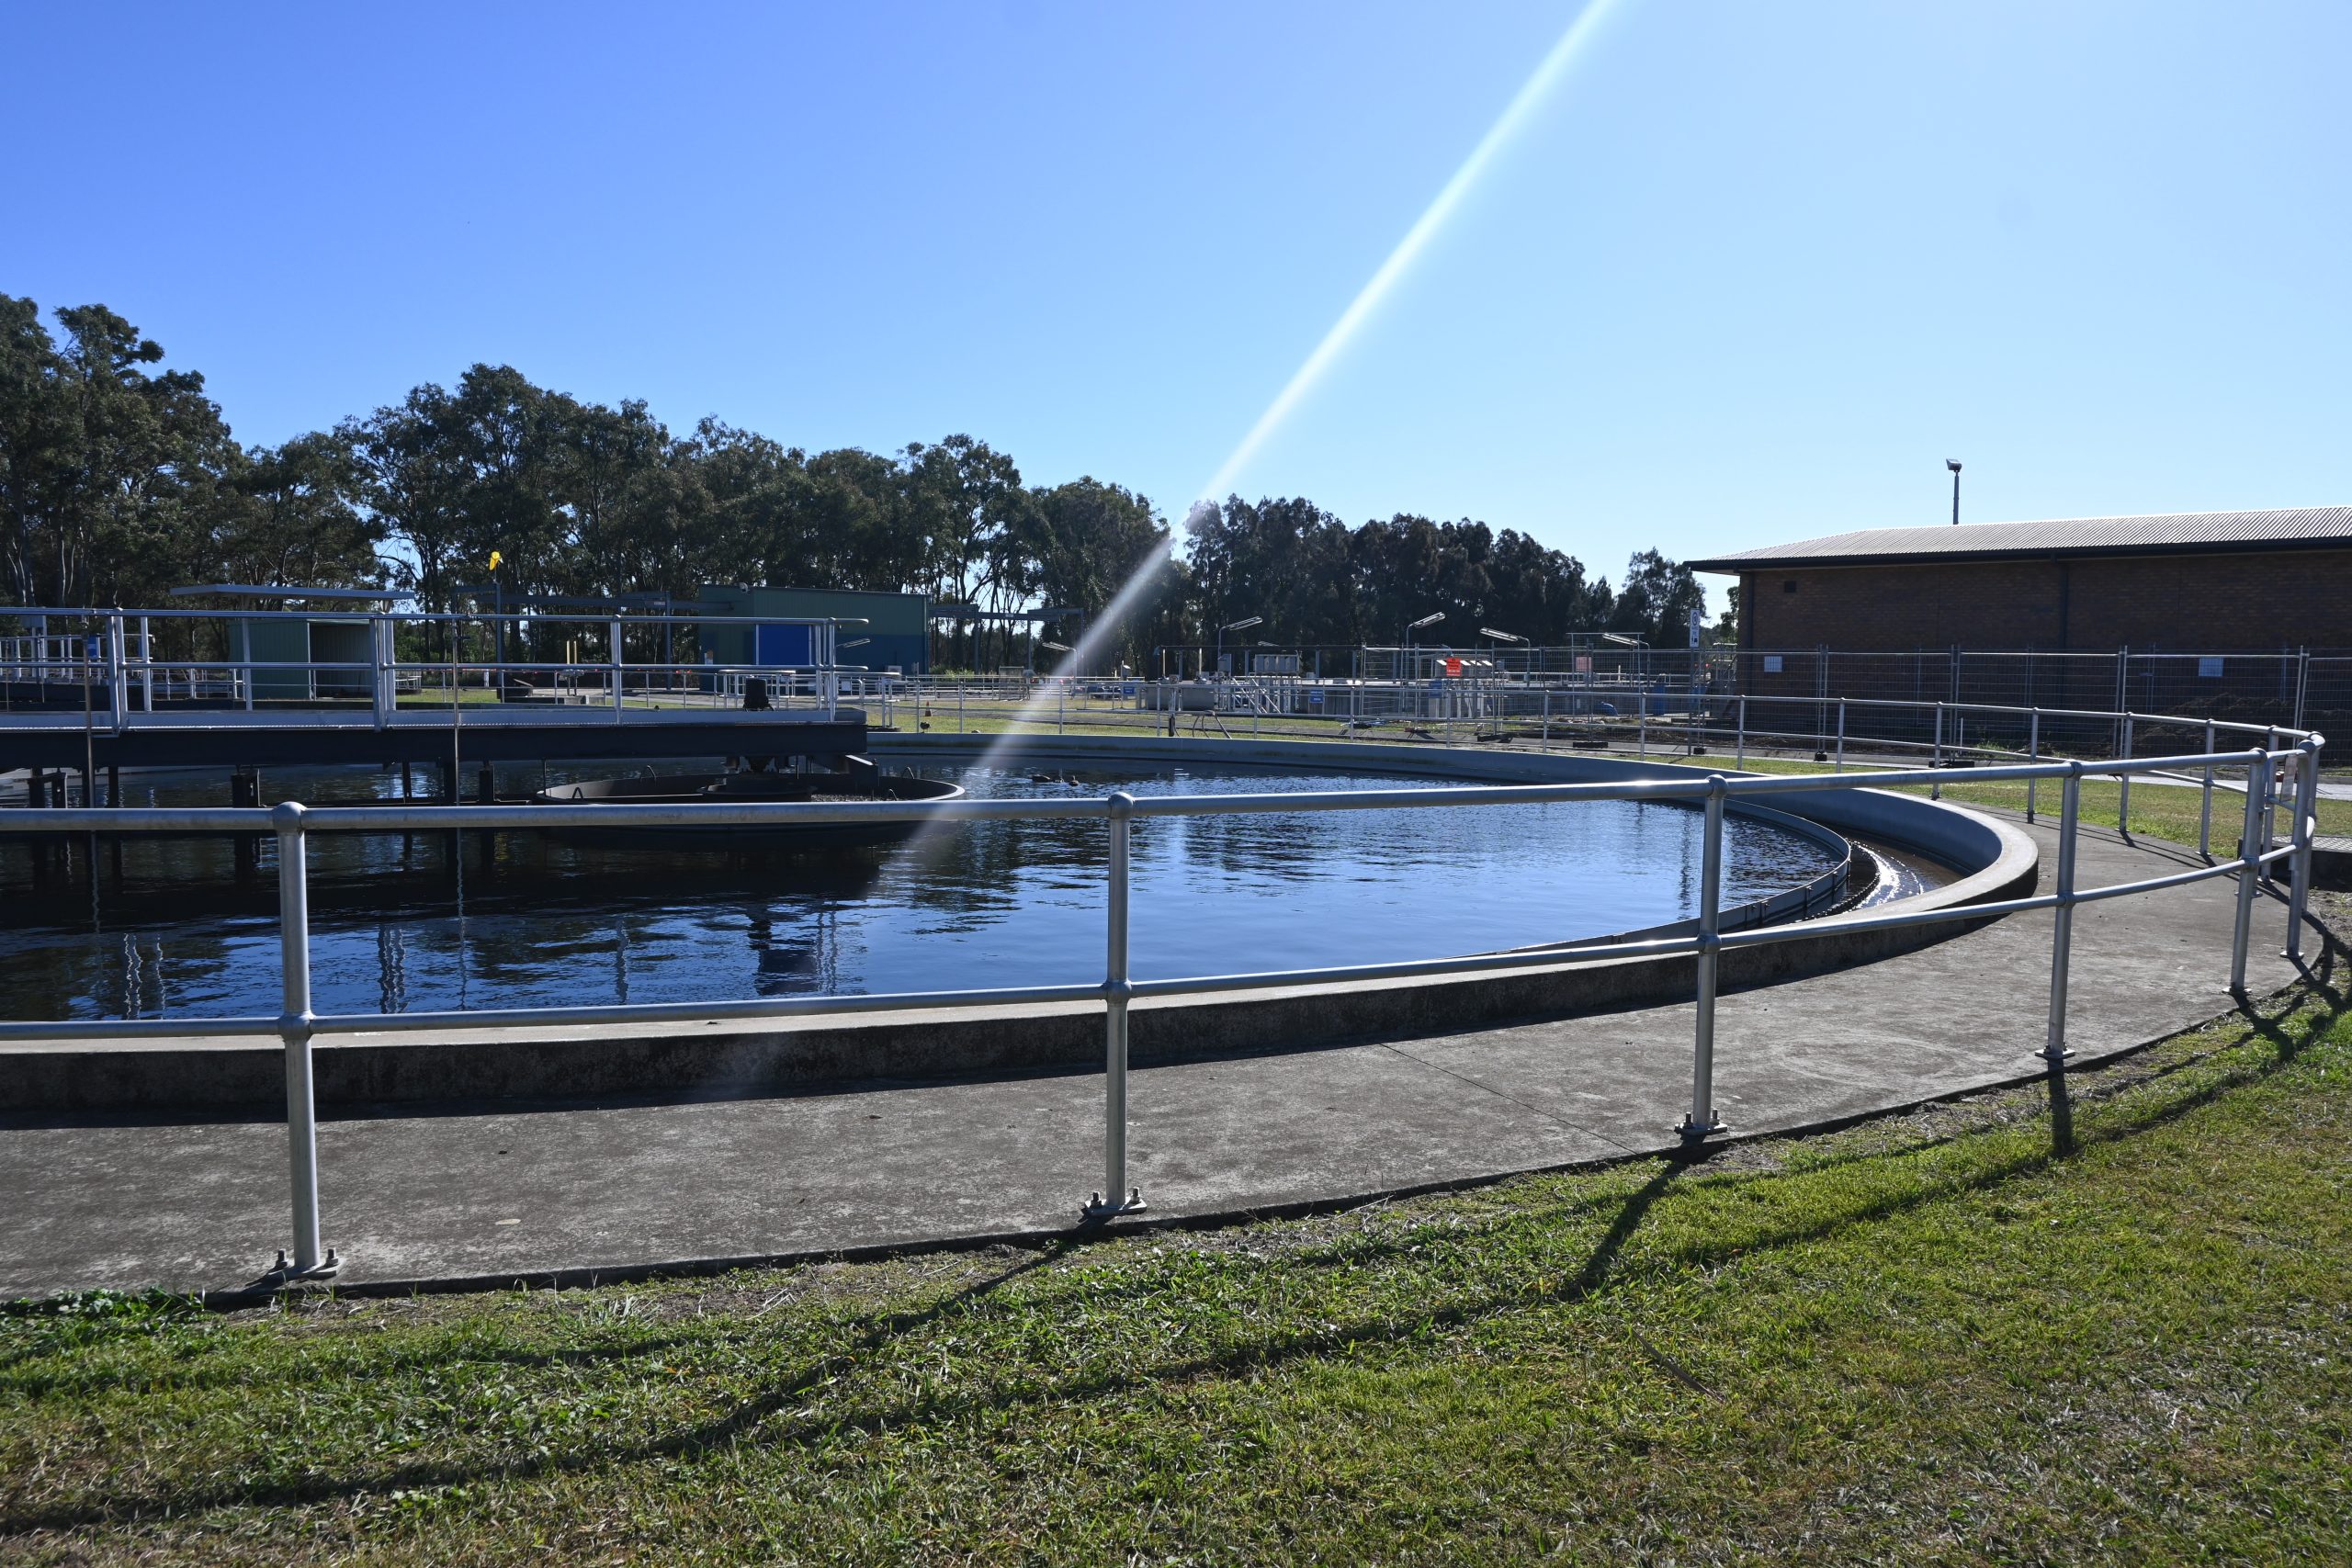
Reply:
x=1733, y=566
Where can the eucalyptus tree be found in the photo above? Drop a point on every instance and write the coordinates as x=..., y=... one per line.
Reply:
x=966, y=502
x=297, y=514
x=1655, y=599
x=35, y=446
x=109, y=471
x=1089, y=541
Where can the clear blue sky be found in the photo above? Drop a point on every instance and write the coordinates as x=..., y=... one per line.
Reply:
x=1746, y=271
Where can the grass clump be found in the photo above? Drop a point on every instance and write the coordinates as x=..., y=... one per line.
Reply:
x=1976, y=1332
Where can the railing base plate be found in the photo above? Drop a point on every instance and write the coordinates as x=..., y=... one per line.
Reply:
x=1096, y=1209
x=284, y=1272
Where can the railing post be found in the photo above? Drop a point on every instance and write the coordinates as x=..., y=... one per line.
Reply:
x=2123, y=785
x=118, y=699
x=1936, y=759
x=2306, y=824
x=2062, y=940
x=1742, y=759
x=2032, y=754
x=1841, y=735
x=1117, y=990
x=619, y=680
x=2270, y=799
x=1703, y=1119
x=379, y=682
x=1642, y=724
x=1547, y=744
x=2258, y=785
x=294, y=1027
x=2205, y=806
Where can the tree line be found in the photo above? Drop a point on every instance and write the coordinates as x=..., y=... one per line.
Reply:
x=120, y=481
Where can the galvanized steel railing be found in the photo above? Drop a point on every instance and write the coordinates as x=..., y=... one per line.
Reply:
x=2270, y=771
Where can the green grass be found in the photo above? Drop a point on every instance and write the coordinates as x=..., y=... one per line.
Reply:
x=1932, y=1338
x=2159, y=811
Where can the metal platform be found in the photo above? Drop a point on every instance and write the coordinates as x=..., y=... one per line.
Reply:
x=487, y=732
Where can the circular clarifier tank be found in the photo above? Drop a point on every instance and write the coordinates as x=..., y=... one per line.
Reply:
x=436, y=921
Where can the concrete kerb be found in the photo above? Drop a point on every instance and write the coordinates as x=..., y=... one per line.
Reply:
x=711, y=1059
x=589, y=1276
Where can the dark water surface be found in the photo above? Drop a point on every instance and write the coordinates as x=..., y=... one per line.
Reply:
x=176, y=927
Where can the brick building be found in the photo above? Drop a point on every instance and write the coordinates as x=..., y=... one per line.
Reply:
x=2229, y=614
x=2199, y=582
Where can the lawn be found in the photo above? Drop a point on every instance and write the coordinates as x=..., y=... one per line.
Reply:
x=1936, y=1338
x=2159, y=811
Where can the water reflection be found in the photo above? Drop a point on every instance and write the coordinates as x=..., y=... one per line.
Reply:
x=158, y=927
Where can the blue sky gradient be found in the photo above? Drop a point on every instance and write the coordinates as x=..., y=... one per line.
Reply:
x=1743, y=273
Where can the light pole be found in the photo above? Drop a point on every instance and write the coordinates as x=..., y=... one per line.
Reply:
x=1501, y=637
x=1240, y=626
x=1953, y=464
x=1428, y=620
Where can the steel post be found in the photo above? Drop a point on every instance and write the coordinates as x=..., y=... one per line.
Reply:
x=2258, y=785
x=118, y=697
x=2205, y=806
x=2123, y=785
x=1703, y=1119
x=2062, y=940
x=1936, y=758
x=294, y=1025
x=1741, y=760
x=1841, y=735
x=1116, y=1197
x=2269, y=801
x=2305, y=825
x=619, y=680
x=2032, y=754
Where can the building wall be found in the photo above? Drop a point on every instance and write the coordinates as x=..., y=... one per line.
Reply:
x=2189, y=604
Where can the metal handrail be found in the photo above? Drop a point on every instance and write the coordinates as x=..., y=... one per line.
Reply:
x=298, y=1023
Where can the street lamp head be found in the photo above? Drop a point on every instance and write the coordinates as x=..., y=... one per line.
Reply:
x=1430, y=620
x=1243, y=626
x=1501, y=636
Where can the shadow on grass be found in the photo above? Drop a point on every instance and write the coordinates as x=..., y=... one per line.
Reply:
x=2163, y=1099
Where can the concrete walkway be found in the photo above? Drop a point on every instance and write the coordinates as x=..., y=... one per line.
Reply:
x=508, y=1191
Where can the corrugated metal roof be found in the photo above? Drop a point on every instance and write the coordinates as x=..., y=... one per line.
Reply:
x=2177, y=532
